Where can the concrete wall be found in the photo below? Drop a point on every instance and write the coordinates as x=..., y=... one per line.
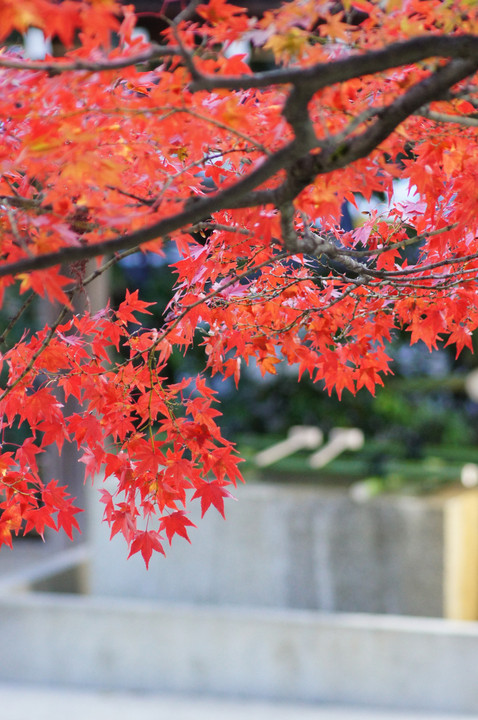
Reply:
x=289, y=655
x=290, y=547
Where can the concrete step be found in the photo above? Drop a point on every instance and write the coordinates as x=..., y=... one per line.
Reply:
x=24, y=702
x=275, y=655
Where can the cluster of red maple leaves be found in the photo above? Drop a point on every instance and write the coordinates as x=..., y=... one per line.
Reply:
x=129, y=146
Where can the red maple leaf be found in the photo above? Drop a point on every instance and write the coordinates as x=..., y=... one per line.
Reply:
x=212, y=493
x=176, y=524
x=145, y=541
x=130, y=305
x=66, y=519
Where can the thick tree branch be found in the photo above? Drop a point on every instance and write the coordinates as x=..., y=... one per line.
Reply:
x=340, y=154
x=196, y=210
x=308, y=80
x=323, y=74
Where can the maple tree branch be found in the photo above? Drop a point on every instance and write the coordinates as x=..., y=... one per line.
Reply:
x=437, y=282
x=400, y=244
x=310, y=79
x=415, y=269
x=186, y=13
x=431, y=88
x=366, y=274
x=336, y=155
x=442, y=117
x=196, y=210
x=58, y=66
x=323, y=74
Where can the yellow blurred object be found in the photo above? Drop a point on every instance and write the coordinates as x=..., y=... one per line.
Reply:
x=461, y=556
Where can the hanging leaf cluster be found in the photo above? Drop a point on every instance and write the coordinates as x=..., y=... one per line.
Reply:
x=121, y=145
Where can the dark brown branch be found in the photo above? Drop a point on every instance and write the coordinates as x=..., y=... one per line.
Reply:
x=194, y=211
x=307, y=80
x=310, y=80
x=23, y=203
x=399, y=245
x=417, y=269
x=55, y=67
x=340, y=154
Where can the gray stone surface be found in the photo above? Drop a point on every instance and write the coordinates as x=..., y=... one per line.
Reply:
x=27, y=702
x=33, y=565
x=290, y=547
x=291, y=656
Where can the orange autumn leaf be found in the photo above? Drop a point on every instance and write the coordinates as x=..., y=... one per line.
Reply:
x=20, y=16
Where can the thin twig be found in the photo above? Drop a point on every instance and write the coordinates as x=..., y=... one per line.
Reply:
x=210, y=296
x=36, y=354
x=187, y=13
x=60, y=65
x=442, y=117
x=397, y=245
x=16, y=317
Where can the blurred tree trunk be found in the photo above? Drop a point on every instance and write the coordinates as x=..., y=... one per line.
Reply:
x=66, y=467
